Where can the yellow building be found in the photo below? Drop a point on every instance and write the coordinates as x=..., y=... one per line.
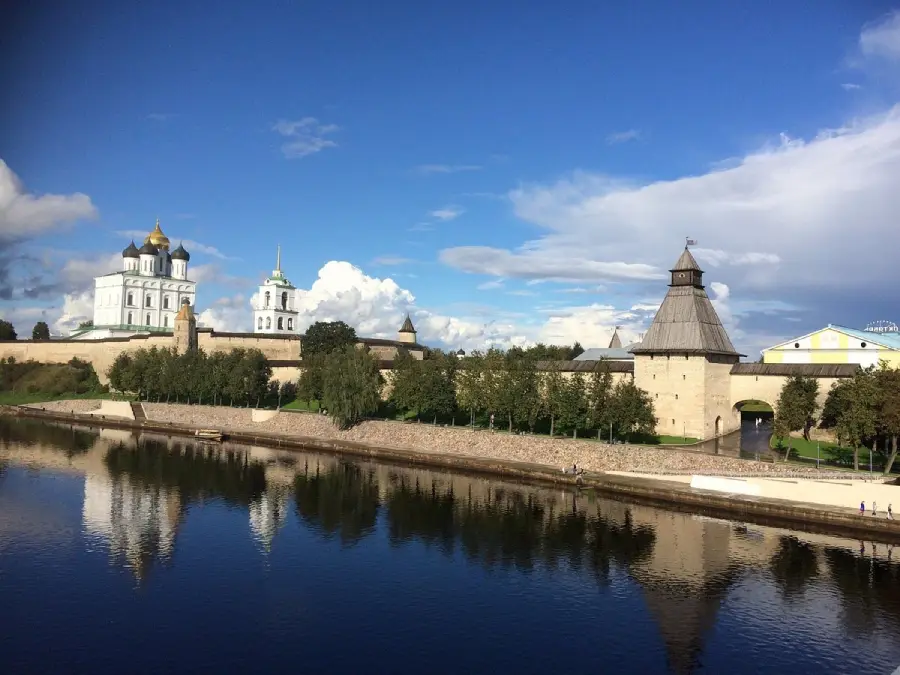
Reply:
x=880, y=341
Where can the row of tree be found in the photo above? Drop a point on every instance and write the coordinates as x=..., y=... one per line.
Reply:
x=239, y=376
x=41, y=331
x=863, y=411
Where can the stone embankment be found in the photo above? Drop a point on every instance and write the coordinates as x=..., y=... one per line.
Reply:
x=425, y=438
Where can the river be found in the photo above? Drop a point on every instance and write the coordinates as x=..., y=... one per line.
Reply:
x=145, y=554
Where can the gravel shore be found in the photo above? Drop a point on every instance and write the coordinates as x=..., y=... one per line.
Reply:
x=557, y=452
x=78, y=406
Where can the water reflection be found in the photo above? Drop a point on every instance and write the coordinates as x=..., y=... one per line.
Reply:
x=139, y=492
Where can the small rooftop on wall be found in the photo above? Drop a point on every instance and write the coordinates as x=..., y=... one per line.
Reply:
x=686, y=322
x=407, y=326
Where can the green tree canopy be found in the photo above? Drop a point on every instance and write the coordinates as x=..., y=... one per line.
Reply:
x=324, y=337
x=86, y=324
x=351, y=385
x=41, y=331
x=858, y=420
x=632, y=409
x=796, y=408
x=7, y=332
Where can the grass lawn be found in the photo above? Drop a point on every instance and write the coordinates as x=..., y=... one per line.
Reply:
x=804, y=448
x=311, y=406
x=20, y=398
x=677, y=440
x=756, y=406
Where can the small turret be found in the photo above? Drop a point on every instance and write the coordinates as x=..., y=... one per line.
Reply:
x=407, y=332
x=185, y=329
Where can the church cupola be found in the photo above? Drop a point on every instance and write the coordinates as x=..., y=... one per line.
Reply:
x=407, y=332
x=130, y=258
x=131, y=251
x=180, y=259
x=148, y=254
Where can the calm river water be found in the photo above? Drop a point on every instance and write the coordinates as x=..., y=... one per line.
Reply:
x=125, y=554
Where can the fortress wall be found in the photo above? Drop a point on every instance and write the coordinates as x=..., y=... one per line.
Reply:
x=767, y=388
x=275, y=348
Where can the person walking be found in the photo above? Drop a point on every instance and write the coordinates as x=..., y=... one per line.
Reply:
x=862, y=508
x=890, y=513
x=874, y=508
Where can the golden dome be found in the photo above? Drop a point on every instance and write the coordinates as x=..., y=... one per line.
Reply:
x=157, y=238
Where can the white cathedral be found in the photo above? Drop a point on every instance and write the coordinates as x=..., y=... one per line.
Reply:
x=146, y=294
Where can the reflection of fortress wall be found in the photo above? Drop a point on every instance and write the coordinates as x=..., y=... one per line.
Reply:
x=268, y=514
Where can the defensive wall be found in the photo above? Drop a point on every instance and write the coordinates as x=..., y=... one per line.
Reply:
x=736, y=383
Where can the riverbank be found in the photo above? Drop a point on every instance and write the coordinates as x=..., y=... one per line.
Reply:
x=613, y=470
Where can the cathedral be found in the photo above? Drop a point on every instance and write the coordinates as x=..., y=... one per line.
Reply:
x=146, y=294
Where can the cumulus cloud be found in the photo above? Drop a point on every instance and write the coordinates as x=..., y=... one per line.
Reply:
x=229, y=315
x=24, y=215
x=76, y=308
x=304, y=137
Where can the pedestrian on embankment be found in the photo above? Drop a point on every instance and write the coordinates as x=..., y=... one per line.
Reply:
x=890, y=513
x=874, y=508
x=862, y=508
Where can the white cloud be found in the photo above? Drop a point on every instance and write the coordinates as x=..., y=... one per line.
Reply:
x=427, y=169
x=882, y=38
x=623, y=136
x=447, y=213
x=850, y=86
x=592, y=325
x=24, y=215
x=490, y=285
x=228, y=315
x=77, y=307
x=806, y=207
x=304, y=137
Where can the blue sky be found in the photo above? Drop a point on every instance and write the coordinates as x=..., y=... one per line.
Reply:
x=507, y=173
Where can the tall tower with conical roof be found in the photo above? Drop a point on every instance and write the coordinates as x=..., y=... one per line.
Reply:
x=407, y=332
x=275, y=304
x=684, y=360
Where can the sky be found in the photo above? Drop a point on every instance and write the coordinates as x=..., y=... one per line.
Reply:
x=507, y=173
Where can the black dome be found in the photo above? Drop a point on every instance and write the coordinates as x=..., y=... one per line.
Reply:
x=131, y=251
x=148, y=248
x=180, y=254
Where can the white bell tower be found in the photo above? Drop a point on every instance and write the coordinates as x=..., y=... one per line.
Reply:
x=275, y=308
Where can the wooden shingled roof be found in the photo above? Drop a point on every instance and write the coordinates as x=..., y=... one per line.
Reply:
x=686, y=322
x=586, y=366
x=804, y=369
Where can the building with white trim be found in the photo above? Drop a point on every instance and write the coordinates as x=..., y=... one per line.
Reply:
x=145, y=295
x=275, y=304
x=880, y=341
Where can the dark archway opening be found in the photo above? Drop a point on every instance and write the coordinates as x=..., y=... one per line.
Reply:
x=756, y=427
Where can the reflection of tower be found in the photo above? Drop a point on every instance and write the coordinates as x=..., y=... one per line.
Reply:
x=267, y=516
x=138, y=523
x=685, y=581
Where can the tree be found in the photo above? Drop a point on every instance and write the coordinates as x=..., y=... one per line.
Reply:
x=84, y=325
x=796, y=408
x=554, y=387
x=7, y=332
x=324, y=337
x=41, y=331
x=573, y=406
x=468, y=385
x=406, y=381
x=887, y=380
x=576, y=351
x=599, y=395
x=436, y=395
x=351, y=385
x=632, y=409
x=517, y=389
x=309, y=385
x=859, y=418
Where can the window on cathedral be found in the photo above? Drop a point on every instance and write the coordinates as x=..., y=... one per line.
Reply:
x=290, y=324
x=165, y=321
x=268, y=322
x=268, y=296
x=284, y=300
x=280, y=323
x=130, y=301
x=147, y=302
x=166, y=302
x=148, y=319
x=259, y=323
x=129, y=318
